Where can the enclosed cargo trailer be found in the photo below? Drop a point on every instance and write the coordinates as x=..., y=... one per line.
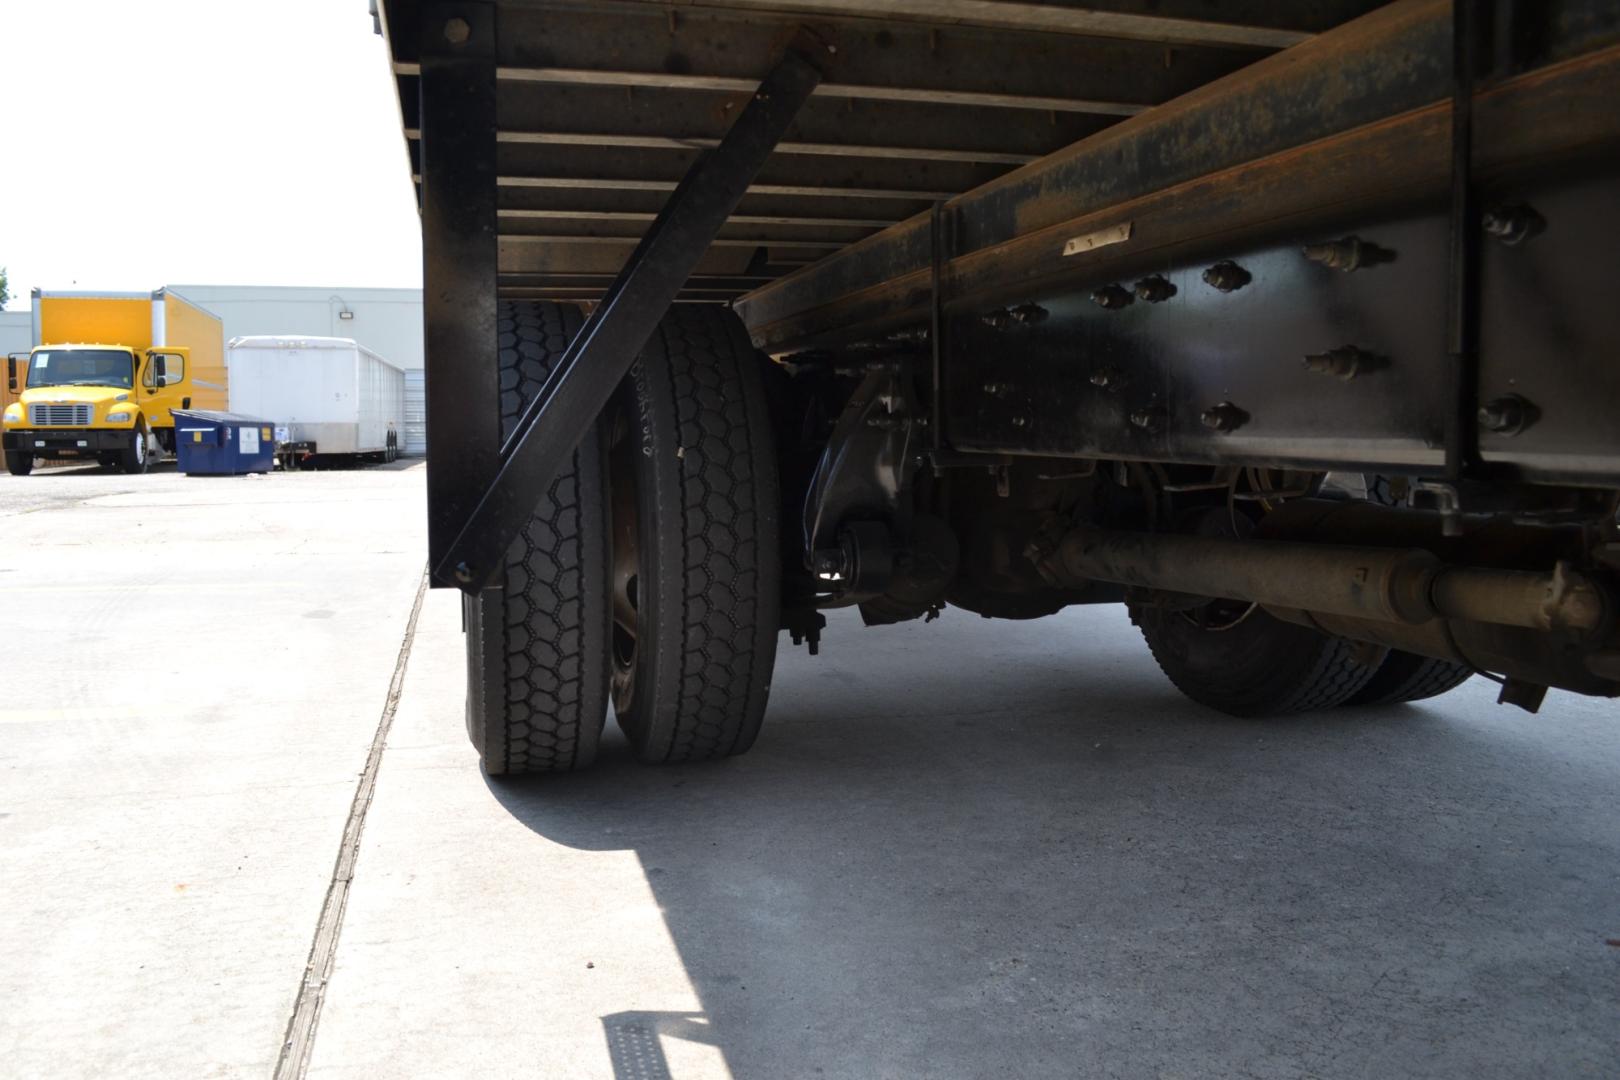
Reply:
x=330, y=396
x=1283, y=323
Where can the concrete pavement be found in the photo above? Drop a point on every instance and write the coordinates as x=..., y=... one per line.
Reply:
x=976, y=849
x=966, y=849
x=192, y=672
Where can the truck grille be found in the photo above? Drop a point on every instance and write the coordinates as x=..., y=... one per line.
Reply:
x=59, y=415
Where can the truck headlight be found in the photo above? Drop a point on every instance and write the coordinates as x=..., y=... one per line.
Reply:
x=117, y=417
x=13, y=414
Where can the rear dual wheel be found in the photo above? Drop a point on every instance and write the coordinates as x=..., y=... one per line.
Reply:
x=696, y=573
x=1405, y=677
x=1236, y=658
x=1242, y=661
x=650, y=566
x=537, y=670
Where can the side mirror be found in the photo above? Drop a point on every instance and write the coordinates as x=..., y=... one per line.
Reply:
x=160, y=369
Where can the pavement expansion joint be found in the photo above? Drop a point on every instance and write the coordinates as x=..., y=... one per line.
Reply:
x=293, y=1060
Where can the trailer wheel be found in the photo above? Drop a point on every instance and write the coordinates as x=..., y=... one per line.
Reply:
x=1404, y=677
x=696, y=566
x=1252, y=665
x=133, y=458
x=1240, y=660
x=537, y=649
x=19, y=463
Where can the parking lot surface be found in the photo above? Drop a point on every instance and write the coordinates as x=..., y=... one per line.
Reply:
x=966, y=849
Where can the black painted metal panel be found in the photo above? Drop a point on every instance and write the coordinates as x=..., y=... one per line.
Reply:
x=1069, y=382
x=457, y=109
x=1550, y=332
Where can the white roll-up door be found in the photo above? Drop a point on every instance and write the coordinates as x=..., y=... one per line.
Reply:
x=415, y=413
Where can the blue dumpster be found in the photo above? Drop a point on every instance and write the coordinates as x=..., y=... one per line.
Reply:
x=222, y=443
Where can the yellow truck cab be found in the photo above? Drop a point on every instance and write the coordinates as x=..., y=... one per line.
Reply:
x=16, y=375
x=105, y=375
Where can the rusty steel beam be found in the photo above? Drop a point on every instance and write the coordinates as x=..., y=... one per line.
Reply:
x=1357, y=117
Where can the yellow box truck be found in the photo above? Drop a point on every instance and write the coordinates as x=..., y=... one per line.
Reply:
x=104, y=374
x=16, y=374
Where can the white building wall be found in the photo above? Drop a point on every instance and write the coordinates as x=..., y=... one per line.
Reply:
x=386, y=321
x=16, y=332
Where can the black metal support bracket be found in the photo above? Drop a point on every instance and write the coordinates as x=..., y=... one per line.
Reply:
x=1462, y=329
x=936, y=326
x=458, y=261
x=598, y=359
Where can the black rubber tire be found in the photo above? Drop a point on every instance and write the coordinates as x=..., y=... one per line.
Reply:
x=707, y=556
x=537, y=650
x=19, y=463
x=1404, y=677
x=1262, y=666
x=135, y=459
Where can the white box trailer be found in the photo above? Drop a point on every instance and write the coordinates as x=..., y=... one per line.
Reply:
x=326, y=396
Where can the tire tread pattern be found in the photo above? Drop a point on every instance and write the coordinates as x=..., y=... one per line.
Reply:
x=539, y=647
x=728, y=588
x=1406, y=677
x=1313, y=671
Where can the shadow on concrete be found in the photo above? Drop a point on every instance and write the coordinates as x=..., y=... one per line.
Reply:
x=357, y=463
x=1016, y=851
x=91, y=468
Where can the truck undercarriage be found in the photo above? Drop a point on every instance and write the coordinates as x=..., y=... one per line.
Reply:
x=1291, y=331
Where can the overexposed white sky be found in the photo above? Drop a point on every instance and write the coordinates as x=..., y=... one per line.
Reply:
x=251, y=142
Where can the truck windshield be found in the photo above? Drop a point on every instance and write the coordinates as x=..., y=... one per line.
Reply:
x=81, y=367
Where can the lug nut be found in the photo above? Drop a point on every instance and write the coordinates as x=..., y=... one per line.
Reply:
x=829, y=562
x=1507, y=415
x=1350, y=253
x=1105, y=379
x=1513, y=224
x=1149, y=419
x=1225, y=417
x=1020, y=421
x=1028, y=314
x=1227, y=276
x=456, y=31
x=1345, y=362
x=997, y=319
x=1154, y=290
x=1112, y=298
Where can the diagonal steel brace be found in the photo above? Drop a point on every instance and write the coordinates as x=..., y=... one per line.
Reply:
x=598, y=359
